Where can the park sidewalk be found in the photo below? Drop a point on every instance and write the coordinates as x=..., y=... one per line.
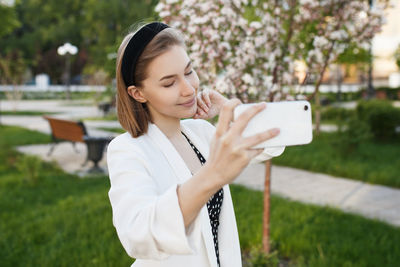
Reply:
x=371, y=201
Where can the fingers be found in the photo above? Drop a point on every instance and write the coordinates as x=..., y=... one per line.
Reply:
x=246, y=116
x=226, y=116
x=259, y=138
x=199, y=114
x=252, y=153
x=206, y=98
x=201, y=104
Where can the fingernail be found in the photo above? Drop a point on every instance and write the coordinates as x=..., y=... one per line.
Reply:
x=275, y=131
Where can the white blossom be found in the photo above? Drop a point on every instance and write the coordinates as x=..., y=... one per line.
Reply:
x=257, y=59
x=248, y=79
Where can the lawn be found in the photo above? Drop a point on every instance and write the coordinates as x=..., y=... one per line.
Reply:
x=114, y=130
x=63, y=220
x=371, y=162
x=27, y=113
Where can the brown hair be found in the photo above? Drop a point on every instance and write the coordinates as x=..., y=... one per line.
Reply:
x=134, y=116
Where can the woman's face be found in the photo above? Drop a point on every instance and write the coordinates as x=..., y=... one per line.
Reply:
x=171, y=86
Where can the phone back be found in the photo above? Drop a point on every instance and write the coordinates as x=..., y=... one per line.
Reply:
x=293, y=118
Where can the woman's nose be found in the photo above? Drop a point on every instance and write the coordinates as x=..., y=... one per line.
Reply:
x=187, y=89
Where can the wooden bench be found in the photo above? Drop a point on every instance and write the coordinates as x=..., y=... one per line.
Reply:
x=75, y=131
x=65, y=130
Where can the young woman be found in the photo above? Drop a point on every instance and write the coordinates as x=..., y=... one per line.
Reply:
x=170, y=177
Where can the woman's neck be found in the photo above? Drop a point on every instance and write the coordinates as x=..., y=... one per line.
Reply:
x=170, y=127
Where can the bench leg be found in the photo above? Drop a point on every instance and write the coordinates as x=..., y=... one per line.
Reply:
x=76, y=150
x=51, y=149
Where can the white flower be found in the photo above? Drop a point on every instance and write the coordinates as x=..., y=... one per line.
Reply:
x=252, y=90
x=247, y=78
x=320, y=41
x=255, y=24
x=199, y=20
x=338, y=35
x=160, y=6
x=225, y=45
x=164, y=14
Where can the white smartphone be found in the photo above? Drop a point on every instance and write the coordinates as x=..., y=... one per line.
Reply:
x=293, y=118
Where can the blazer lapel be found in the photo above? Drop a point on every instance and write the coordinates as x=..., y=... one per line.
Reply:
x=206, y=232
x=183, y=174
x=203, y=147
x=176, y=162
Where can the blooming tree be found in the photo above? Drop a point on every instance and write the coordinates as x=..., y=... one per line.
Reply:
x=333, y=26
x=236, y=56
x=215, y=33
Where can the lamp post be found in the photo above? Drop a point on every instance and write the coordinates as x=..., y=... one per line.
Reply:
x=67, y=50
x=370, y=86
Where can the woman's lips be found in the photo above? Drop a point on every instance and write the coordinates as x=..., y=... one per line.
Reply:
x=189, y=103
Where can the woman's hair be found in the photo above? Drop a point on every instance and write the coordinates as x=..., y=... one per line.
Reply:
x=133, y=115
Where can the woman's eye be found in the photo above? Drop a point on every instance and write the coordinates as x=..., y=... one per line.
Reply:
x=169, y=85
x=190, y=72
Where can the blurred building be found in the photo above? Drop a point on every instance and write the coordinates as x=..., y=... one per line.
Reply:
x=385, y=43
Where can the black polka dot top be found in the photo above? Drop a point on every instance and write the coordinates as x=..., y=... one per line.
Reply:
x=213, y=205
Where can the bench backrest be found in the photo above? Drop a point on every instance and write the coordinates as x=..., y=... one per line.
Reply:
x=67, y=130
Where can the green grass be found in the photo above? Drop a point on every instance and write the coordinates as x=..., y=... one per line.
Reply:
x=27, y=113
x=114, y=130
x=66, y=221
x=108, y=117
x=372, y=162
x=315, y=236
x=61, y=221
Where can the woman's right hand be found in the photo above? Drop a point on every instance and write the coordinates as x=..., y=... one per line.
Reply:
x=230, y=153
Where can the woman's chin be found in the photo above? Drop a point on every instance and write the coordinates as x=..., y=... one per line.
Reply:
x=190, y=114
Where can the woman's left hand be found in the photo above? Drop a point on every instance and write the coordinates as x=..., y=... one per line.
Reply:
x=209, y=103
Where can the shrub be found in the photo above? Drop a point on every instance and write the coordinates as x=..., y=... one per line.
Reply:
x=354, y=133
x=389, y=92
x=334, y=113
x=381, y=116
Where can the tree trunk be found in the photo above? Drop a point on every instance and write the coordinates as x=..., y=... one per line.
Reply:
x=339, y=83
x=317, y=113
x=266, y=219
x=370, y=86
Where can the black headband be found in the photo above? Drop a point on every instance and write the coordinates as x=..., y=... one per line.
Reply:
x=135, y=48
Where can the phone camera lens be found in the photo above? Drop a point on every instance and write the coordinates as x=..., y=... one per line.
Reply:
x=305, y=107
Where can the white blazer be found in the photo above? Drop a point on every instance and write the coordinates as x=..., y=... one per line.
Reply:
x=144, y=174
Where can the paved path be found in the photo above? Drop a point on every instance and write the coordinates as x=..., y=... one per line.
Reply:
x=371, y=201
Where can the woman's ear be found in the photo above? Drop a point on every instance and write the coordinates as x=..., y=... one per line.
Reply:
x=136, y=94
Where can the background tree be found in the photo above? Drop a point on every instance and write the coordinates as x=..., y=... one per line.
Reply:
x=331, y=27
x=95, y=27
x=105, y=24
x=239, y=48
x=12, y=70
x=8, y=19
